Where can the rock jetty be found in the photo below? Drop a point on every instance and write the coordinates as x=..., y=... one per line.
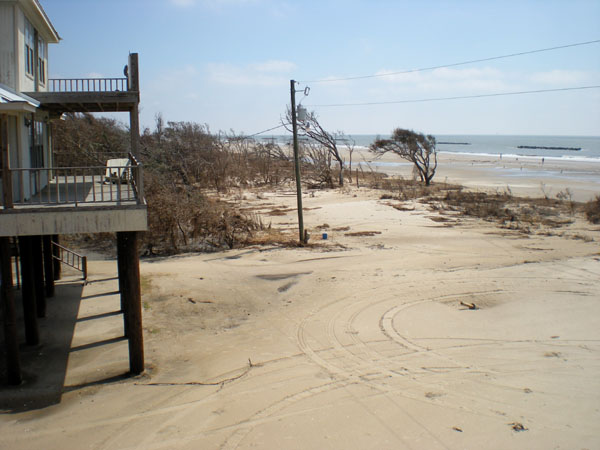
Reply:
x=574, y=149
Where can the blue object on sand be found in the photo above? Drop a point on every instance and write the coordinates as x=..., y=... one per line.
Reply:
x=325, y=236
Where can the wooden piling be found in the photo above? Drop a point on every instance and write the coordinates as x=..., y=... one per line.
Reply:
x=48, y=266
x=38, y=275
x=56, y=257
x=32, y=333
x=13, y=362
x=129, y=278
x=121, y=242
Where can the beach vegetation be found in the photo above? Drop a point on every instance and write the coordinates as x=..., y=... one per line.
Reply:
x=592, y=210
x=187, y=171
x=85, y=140
x=415, y=147
x=323, y=144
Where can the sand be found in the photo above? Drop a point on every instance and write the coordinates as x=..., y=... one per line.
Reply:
x=359, y=341
x=523, y=176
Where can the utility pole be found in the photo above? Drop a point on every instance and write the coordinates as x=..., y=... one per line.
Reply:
x=297, y=164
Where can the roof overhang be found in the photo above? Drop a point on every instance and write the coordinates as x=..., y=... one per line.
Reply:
x=17, y=107
x=41, y=21
x=11, y=101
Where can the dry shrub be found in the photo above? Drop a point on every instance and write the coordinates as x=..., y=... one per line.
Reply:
x=400, y=189
x=181, y=218
x=480, y=204
x=363, y=233
x=502, y=207
x=592, y=210
x=272, y=236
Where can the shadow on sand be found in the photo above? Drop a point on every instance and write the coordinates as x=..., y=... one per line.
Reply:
x=44, y=366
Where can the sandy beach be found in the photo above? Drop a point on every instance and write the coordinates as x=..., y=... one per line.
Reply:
x=361, y=340
x=523, y=175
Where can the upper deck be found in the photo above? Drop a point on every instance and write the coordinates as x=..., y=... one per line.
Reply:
x=92, y=94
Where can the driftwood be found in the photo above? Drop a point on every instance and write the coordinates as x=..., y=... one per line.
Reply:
x=469, y=305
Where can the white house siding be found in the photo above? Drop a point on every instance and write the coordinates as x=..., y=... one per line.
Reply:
x=7, y=46
x=26, y=81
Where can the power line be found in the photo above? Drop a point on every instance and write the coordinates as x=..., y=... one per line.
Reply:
x=264, y=131
x=453, y=64
x=458, y=97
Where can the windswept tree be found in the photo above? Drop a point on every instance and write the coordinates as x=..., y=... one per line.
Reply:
x=412, y=146
x=312, y=129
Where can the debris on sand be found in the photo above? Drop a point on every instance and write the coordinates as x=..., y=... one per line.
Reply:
x=518, y=426
x=469, y=305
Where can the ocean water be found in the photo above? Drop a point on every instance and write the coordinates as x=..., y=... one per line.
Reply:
x=505, y=145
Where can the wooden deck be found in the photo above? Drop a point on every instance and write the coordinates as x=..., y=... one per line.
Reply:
x=77, y=191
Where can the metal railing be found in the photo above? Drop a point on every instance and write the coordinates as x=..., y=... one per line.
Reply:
x=88, y=84
x=77, y=185
x=70, y=258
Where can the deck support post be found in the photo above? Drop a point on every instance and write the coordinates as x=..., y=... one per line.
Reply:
x=122, y=270
x=13, y=362
x=56, y=257
x=38, y=275
x=48, y=266
x=129, y=282
x=32, y=332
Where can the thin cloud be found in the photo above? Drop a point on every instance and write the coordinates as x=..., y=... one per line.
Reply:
x=563, y=77
x=448, y=79
x=274, y=66
x=267, y=73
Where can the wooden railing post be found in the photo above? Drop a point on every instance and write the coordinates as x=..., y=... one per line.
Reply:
x=140, y=183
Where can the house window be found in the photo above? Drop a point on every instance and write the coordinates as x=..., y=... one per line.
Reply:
x=37, y=144
x=41, y=61
x=29, y=48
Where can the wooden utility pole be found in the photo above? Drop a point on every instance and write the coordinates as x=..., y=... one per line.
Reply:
x=7, y=306
x=297, y=163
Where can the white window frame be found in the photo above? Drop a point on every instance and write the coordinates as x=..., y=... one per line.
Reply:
x=29, y=48
x=41, y=61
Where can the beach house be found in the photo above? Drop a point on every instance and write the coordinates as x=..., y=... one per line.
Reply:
x=41, y=201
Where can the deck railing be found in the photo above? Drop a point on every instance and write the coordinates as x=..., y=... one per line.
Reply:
x=88, y=84
x=74, y=186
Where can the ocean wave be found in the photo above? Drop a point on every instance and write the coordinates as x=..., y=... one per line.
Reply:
x=525, y=157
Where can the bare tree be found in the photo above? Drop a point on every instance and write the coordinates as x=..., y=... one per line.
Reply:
x=321, y=175
x=414, y=147
x=315, y=131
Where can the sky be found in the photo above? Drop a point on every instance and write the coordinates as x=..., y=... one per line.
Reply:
x=228, y=63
